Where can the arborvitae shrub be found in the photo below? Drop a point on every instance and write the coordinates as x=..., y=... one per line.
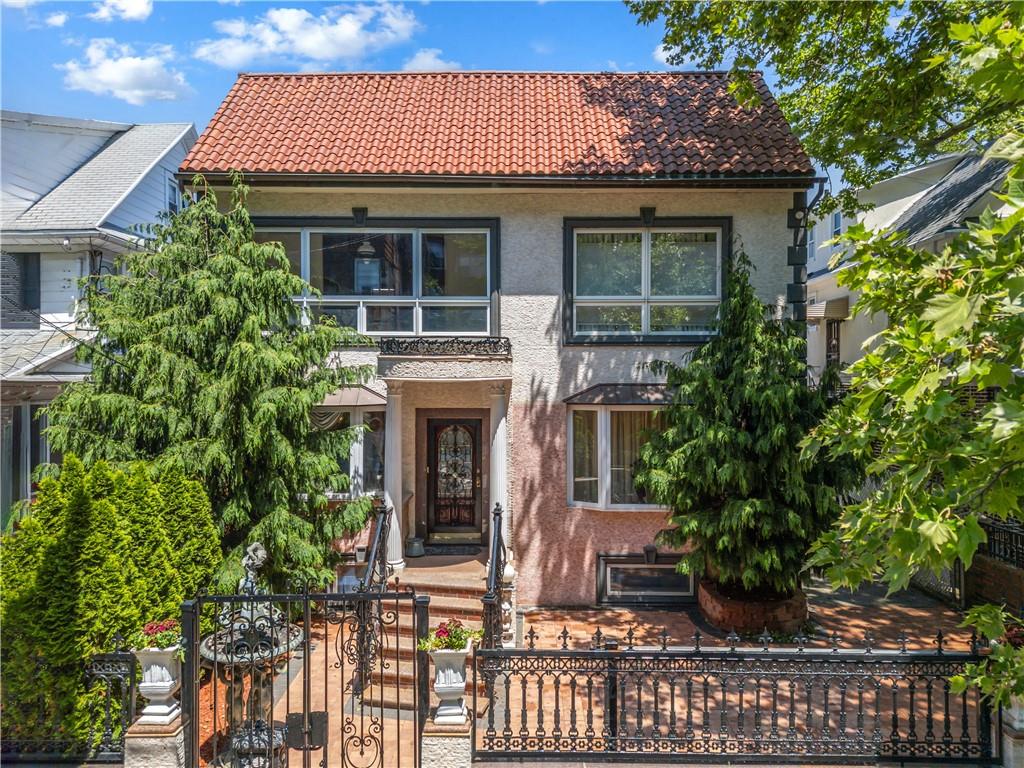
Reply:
x=93, y=561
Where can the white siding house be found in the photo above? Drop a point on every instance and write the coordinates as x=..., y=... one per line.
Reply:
x=929, y=205
x=75, y=193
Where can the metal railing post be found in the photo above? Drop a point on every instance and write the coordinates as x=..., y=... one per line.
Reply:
x=190, y=680
x=421, y=610
x=611, y=697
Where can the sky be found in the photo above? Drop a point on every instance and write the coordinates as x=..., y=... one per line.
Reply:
x=145, y=61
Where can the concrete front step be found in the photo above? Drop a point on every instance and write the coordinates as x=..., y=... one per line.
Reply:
x=472, y=589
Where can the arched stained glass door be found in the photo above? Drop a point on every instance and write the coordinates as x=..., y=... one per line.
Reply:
x=454, y=474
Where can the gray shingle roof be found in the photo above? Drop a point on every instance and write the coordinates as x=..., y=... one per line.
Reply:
x=945, y=205
x=85, y=197
x=19, y=348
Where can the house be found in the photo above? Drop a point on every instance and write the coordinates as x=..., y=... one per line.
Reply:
x=74, y=195
x=928, y=204
x=520, y=245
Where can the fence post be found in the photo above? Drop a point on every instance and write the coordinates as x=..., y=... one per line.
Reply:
x=190, y=680
x=611, y=698
x=422, y=626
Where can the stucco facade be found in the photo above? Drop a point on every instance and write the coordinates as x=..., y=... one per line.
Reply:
x=555, y=545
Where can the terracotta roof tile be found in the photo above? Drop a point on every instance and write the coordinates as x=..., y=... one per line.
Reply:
x=497, y=124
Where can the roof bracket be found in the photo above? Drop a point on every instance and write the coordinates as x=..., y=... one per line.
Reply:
x=647, y=216
x=359, y=214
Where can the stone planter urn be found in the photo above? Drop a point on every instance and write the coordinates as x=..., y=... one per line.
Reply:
x=450, y=685
x=161, y=679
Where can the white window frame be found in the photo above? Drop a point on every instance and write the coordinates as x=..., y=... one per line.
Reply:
x=604, y=460
x=172, y=193
x=837, y=226
x=646, y=300
x=356, y=486
x=417, y=300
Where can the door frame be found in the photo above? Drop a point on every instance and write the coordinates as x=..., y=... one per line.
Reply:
x=423, y=522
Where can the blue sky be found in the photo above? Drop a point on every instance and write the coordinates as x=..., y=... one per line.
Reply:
x=145, y=61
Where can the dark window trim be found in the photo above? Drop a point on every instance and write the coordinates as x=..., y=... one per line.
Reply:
x=493, y=225
x=569, y=227
x=605, y=559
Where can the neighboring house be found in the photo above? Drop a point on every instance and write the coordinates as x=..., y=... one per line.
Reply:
x=521, y=245
x=929, y=205
x=74, y=192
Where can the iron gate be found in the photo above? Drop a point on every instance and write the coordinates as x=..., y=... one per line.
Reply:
x=802, y=703
x=325, y=679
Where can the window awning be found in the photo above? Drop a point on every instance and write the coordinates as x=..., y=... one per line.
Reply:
x=622, y=394
x=353, y=397
x=830, y=309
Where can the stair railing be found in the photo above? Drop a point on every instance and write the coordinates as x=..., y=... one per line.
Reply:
x=377, y=569
x=495, y=581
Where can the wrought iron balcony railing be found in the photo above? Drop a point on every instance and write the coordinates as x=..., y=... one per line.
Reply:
x=446, y=346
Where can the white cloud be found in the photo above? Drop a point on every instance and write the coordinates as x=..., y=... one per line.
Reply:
x=660, y=55
x=113, y=69
x=429, y=60
x=127, y=10
x=56, y=20
x=541, y=47
x=345, y=34
x=18, y=3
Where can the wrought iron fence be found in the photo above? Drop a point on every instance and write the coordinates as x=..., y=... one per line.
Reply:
x=492, y=619
x=325, y=679
x=803, y=703
x=113, y=677
x=1005, y=541
x=947, y=585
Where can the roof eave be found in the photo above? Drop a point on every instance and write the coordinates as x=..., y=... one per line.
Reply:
x=788, y=181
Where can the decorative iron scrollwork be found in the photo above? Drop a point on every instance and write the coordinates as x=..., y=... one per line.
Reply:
x=447, y=346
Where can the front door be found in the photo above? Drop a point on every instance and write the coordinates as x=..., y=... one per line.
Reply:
x=453, y=475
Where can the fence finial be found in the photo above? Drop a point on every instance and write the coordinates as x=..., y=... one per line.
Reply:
x=902, y=640
x=564, y=637
x=733, y=640
x=664, y=639
x=630, y=636
x=696, y=640
x=531, y=638
x=765, y=638
x=940, y=640
x=597, y=639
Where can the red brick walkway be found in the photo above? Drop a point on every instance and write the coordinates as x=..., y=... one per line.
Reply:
x=847, y=614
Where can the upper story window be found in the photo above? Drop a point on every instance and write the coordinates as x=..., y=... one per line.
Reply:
x=644, y=283
x=604, y=455
x=837, y=225
x=811, y=242
x=20, y=295
x=415, y=281
x=173, y=195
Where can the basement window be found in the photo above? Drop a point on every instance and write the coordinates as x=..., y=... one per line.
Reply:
x=646, y=579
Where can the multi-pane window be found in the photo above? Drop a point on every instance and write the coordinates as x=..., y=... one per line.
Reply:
x=837, y=224
x=24, y=448
x=605, y=446
x=394, y=282
x=173, y=195
x=646, y=281
x=364, y=464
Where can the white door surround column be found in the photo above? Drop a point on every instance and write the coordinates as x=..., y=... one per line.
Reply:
x=393, y=474
x=499, y=458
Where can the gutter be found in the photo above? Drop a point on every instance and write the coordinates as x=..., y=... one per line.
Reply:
x=425, y=180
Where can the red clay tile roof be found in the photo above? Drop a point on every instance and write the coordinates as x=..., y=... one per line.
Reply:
x=497, y=124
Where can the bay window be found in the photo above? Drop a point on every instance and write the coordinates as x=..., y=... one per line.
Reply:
x=395, y=281
x=604, y=451
x=629, y=284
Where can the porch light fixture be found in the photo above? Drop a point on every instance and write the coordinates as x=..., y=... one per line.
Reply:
x=366, y=250
x=367, y=268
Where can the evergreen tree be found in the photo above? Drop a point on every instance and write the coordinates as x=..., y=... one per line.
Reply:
x=726, y=458
x=204, y=363
x=143, y=507
x=91, y=562
x=193, y=537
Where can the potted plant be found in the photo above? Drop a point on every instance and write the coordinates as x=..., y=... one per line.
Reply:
x=448, y=645
x=159, y=648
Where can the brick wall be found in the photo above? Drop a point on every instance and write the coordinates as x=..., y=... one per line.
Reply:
x=19, y=285
x=992, y=581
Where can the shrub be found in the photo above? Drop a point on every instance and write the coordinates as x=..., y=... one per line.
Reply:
x=92, y=563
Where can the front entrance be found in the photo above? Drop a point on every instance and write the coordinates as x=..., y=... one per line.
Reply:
x=454, y=469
